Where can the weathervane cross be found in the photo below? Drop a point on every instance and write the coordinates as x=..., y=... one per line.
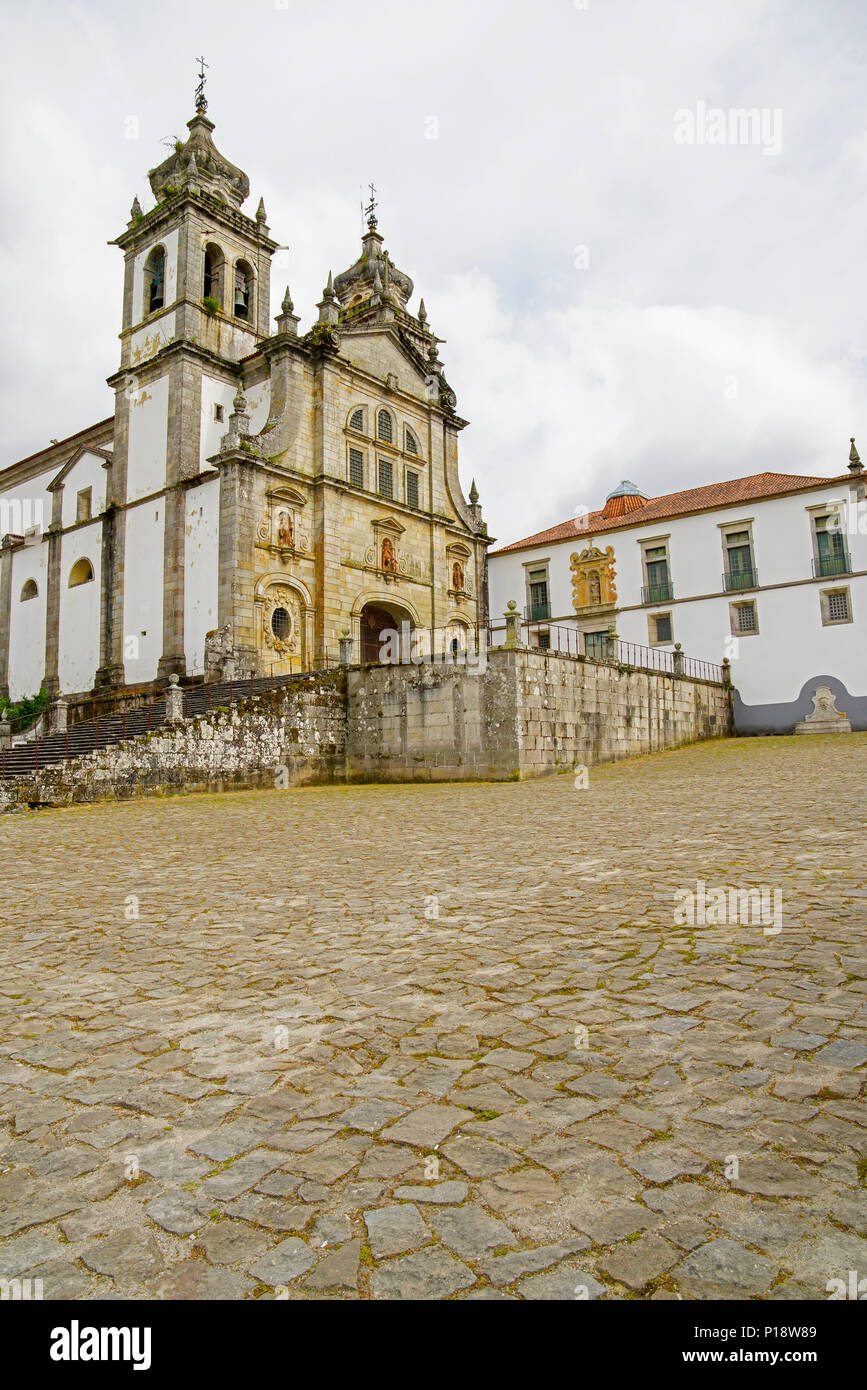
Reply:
x=201, y=99
x=370, y=210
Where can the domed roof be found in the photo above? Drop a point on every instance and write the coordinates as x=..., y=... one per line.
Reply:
x=199, y=161
x=373, y=273
x=625, y=489
x=626, y=497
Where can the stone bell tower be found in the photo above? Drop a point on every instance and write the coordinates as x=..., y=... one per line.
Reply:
x=196, y=299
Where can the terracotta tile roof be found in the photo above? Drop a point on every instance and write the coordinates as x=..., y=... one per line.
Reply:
x=672, y=504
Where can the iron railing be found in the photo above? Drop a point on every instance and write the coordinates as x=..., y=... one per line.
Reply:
x=827, y=566
x=736, y=580
x=657, y=593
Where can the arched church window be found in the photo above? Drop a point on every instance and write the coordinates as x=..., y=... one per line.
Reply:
x=356, y=420
x=383, y=427
x=155, y=280
x=280, y=623
x=242, y=291
x=411, y=442
x=212, y=279
x=81, y=572
x=29, y=590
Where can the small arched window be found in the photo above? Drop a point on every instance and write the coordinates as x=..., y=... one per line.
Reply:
x=411, y=442
x=212, y=279
x=356, y=420
x=30, y=590
x=81, y=572
x=383, y=427
x=243, y=290
x=155, y=280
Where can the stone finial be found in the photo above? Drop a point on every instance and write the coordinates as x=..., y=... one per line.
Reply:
x=135, y=211
x=422, y=313
x=239, y=422
x=191, y=173
x=261, y=215
x=287, y=321
x=329, y=311
x=377, y=287
x=855, y=464
x=513, y=618
x=474, y=492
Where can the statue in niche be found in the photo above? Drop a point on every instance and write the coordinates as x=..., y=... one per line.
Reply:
x=389, y=559
x=285, y=534
x=595, y=588
x=457, y=576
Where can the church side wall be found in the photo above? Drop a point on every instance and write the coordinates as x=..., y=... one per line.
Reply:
x=78, y=650
x=27, y=621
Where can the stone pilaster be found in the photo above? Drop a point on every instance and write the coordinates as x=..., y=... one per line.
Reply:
x=239, y=514
x=110, y=672
x=50, y=681
x=6, y=552
x=182, y=461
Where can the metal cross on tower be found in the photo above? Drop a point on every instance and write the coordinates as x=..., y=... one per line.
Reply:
x=370, y=210
x=201, y=99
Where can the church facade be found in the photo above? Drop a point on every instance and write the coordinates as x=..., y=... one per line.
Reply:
x=256, y=495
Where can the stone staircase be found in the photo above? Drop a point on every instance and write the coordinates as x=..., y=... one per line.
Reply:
x=105, y=730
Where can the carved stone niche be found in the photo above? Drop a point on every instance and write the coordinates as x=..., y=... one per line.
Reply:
x=281, y=530
x=384, y=554
x=460, y=581
x=593, y=572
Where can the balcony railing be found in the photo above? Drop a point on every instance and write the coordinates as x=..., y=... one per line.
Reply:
x=735, y=580
x=657, y=593
x=537, y=612
x=826, y=566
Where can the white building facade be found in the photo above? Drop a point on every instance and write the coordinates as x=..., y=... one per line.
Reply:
x=768, y=572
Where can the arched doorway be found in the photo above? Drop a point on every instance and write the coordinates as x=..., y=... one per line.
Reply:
x=380, y=631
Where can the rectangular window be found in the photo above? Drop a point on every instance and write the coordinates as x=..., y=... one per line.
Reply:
x=663, y=627
x=544, y=641
x=538, y=607
x=83, y=503
x=596, y=644
x=740, y=570
x=830, y=546
x=412, y=488
x=356, y=467
x=745, y=617
x=838, y=607
x=386, y=478
x=658, y=587
x=218, y=412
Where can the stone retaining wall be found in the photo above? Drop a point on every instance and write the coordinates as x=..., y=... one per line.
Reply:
x=514, y=713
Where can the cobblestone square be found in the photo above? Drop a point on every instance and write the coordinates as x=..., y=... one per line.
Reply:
x=444, y=1041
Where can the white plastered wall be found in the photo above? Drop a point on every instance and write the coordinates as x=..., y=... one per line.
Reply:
x=201, y=542
x=143, y=590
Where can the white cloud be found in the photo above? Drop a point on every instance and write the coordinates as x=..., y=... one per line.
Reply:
x=555, y=129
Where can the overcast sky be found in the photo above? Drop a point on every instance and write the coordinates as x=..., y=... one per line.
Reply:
x=617, y=302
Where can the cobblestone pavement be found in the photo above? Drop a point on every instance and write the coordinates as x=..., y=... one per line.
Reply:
x=435, y=1041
